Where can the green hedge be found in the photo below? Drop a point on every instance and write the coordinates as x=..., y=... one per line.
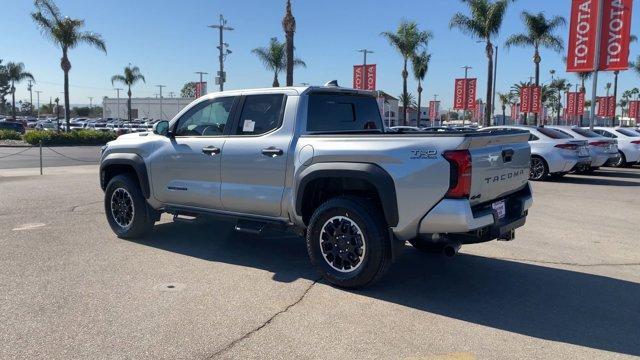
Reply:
x=82, y=137
x=10, y=135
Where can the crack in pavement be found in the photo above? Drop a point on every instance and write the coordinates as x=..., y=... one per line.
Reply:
x=264, y=324
x=566, y=263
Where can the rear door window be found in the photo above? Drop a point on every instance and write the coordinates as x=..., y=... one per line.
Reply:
x=586, y=132
x=261, y=114
x=341, y=112
x=553, y=133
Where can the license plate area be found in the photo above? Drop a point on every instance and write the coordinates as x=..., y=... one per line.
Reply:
x=500, y=208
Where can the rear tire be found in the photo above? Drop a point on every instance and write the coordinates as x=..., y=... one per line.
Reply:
x=539, y=169
x=348, y=242
x=126, y=208
x=621, y=162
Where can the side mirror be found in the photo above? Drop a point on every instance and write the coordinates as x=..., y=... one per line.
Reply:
x=161, y=128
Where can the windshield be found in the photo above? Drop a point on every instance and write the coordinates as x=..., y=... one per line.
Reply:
x=628, y=132
x=554, y=134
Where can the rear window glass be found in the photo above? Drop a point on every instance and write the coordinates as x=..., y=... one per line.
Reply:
x=586, y=132
x=337, y=112
x=628, y=132
x=554, y=134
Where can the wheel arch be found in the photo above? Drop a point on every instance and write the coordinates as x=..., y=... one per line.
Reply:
x=345, y=179
x=124, y=163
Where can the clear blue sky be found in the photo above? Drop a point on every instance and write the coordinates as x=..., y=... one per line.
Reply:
x=169, y=41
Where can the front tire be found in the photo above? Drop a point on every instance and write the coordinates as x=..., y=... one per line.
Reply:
x=126, y=208
x=348, y=242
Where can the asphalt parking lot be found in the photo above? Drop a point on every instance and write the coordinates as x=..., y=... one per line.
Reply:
x=566, y=287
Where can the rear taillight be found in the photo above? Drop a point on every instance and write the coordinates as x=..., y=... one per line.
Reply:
x=567, y=146
x=460, y=183
x=637, y=142
x=600, y=143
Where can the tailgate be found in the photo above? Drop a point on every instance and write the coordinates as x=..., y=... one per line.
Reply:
x=500, y=165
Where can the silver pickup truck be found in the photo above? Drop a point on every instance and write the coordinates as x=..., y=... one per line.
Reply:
x=319, y=161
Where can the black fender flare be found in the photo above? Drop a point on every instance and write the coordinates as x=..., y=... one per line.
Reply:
x=133, y=160
x=374, y=174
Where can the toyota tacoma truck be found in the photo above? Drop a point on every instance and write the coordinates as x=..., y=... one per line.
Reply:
x=319, y=161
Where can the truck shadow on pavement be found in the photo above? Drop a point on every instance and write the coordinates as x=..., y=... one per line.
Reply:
x=547, y=303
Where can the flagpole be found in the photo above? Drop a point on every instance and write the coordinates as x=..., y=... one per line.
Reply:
x=594, y=87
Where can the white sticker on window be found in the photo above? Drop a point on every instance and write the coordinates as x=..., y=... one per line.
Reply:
x=248, y=126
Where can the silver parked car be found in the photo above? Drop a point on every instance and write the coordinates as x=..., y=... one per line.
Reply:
x=628, y=144
x=602, y=149
x=552, y=152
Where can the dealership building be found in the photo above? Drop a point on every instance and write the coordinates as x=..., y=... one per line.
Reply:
x=152, y=108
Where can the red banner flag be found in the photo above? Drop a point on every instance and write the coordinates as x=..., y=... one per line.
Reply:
x=515, y=112
x=472, y=86
x=525, y=99
x=602, y=103
x=615, y=36
x=536, y=99
x=364, y=79
x=571, y=103
x=580, y=106
x=611, y=106
x=582, y=36
x=634, y=107
x=459, y=94
x=434, y=109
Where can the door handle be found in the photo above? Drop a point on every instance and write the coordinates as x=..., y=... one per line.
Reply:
x=211, y=150
x=272, y=152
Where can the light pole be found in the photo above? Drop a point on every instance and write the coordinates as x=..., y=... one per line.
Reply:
x=466, y=92
x=30, y=87
x=118, y=101
x=223, y=48
x=435, y=103
x=364, y=66
x=161, y=112
x=38, y=97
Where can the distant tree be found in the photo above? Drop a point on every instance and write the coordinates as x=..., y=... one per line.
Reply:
x=5, y=86
x=507, y=100
x=407, y=40
x=16, y=75
x=483, y=23
x=274, y=59
x=420, y=66
x=83, y=111
x=188, y=90
x=130, y=77
x=67, y=34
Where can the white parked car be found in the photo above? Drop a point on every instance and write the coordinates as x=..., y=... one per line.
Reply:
x=602, y=149
x=552, y=152
x=628, y=144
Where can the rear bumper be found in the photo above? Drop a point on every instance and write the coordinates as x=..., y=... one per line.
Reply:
x=456, y=217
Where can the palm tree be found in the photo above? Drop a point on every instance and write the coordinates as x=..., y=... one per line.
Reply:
x=410, y=100
x=420, y=64
x=407, y=40
x=483, y=24
x=539, y=34
x=289, y=27
x=273, y=57
x=558, y=86
x=506, y=99
x=16, y=74
x=130, y=77
x=67, y=34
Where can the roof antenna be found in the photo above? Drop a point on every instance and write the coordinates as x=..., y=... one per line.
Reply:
x=332, y=83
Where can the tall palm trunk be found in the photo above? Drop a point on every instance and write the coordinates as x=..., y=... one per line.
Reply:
x=536, y=61
x=559, y=105
x=504, y=115
x=276, y=83
x=419, y=102
x=66, y=67
x=129, y=104
x=405, y=94
x=487, y=113
x=13, y=100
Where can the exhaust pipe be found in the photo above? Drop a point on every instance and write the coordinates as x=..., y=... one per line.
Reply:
x=451, y=249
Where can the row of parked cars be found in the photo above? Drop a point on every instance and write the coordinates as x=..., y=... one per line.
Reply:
x=118, y=126
x=559, y=150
